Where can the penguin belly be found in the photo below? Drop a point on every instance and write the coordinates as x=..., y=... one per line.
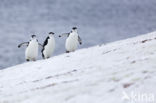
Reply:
x=49, y=48
x=31, y=52
x=71, y=43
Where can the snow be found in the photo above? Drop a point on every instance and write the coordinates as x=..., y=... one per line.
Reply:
x=98, y=21
x=100, y=74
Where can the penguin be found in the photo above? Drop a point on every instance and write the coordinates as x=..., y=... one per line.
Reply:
x=48, y=46
x=72, y=41
x=31, y=51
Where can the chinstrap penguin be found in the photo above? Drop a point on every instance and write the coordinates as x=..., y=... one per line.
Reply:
x=48, y=46
x=72, y=41
x=31, y=52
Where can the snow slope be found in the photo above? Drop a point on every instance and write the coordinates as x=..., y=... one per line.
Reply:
x=100, y=74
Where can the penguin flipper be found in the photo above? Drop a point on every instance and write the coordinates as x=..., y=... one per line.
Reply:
x=80, y=40
x=25, y=43
x=46, y=41
x=64, y=34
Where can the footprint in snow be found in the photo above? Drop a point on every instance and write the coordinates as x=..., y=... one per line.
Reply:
x=126, y=85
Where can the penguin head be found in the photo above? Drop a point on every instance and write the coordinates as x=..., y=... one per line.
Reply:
x=74, y=29
x=33, y=36
x=51, y=33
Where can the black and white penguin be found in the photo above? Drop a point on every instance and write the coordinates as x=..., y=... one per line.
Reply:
x=48, y=46
x=31, y=52
x=72, y=41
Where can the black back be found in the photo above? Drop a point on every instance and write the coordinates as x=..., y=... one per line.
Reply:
x=44, y=44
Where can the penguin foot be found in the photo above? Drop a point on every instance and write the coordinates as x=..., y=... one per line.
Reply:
x=67, y=51
x=46, y=57
x=34, y=59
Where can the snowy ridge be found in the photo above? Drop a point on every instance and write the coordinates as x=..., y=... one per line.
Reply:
x=99, y=74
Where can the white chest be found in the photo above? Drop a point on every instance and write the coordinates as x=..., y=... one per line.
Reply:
x=49, y=48
x=72, y=42
x=51, y=44
x=32, y=49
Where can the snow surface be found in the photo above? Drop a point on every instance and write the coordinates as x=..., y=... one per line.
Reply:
x=98, y=74
x=98, y=21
